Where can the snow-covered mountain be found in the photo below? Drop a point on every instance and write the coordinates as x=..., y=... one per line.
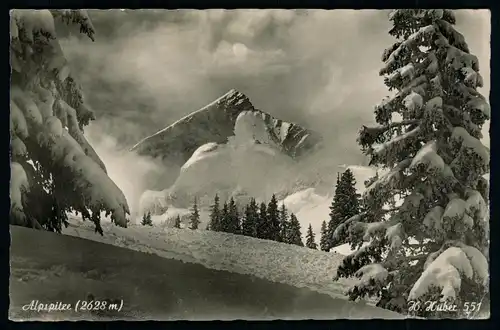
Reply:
x=216, y=122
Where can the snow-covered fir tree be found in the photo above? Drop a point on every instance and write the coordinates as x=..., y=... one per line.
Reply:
x=273, y=221
x=194, y=218
x=435, y=244
x=177, y=222
x=324, y=243
x=54, y=170
x=283, y=223
x=310, y=239
x=250, y=220
x=214, y=222
x=224, y=218
x=261, y=229
x=233, y=220
x=294, y=235
x=345, y=204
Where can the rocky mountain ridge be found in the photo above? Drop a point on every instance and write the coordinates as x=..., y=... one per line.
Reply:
x=215, y=123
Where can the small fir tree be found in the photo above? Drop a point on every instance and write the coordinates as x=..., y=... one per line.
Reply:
x=194, y=219
x=294, y=234
x=215, y=216
x=324, y=240
x=283, y=219
x=310, y=239
x=273, y=220
x=177, y=222
x=345, y=205
x=146, y=219
x=251, y=219
x=234, y=226
x=224, y=219
x=262, y=222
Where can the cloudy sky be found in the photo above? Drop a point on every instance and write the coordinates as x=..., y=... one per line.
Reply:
x=317, y=68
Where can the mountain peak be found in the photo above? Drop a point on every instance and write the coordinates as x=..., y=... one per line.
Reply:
x=215, y=122
x=234, y=98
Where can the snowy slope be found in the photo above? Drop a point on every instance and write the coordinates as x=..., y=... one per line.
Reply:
x=157, y=288
x=215, y=123
x=277, y=262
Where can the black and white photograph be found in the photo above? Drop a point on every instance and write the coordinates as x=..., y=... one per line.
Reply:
x=249, y=164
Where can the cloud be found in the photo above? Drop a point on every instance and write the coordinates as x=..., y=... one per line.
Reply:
x=318, y=68
x=130, y=172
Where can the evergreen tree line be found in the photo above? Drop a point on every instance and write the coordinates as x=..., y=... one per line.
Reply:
x=264, y=221
x=271, y=222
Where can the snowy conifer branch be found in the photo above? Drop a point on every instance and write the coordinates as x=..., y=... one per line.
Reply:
x=390, y=150
x=371, y=135
x=77, y=16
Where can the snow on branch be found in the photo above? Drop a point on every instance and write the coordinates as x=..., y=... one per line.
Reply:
x=420, y=37
x=391, y=230
x=459, y=59
x=385, y=184
x=30, y=22
x=393, y=146
x=445, y=271
x=26, y=105
x=371, y=135
x=77, y=16
x=454, y=37
x=428, y=160
x=77, y=134
x=394, y=234
x=455, y=217
x=97, y=189
x=372, y=272
x=479, y=264
x=472, y=78
x=18, y=148
x=475, y=205
x=17, y=121
x=18, y=186
x=433, y=221
x=387, y=52
x=365, y=255
x=371, y=278
x=344, y=227
x=481, y=105
x=413, y=102
x=468, y=144
x=412, y=202
x=389, y=105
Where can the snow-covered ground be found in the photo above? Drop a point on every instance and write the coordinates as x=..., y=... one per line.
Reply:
x=277, y=262
x=157, y=288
